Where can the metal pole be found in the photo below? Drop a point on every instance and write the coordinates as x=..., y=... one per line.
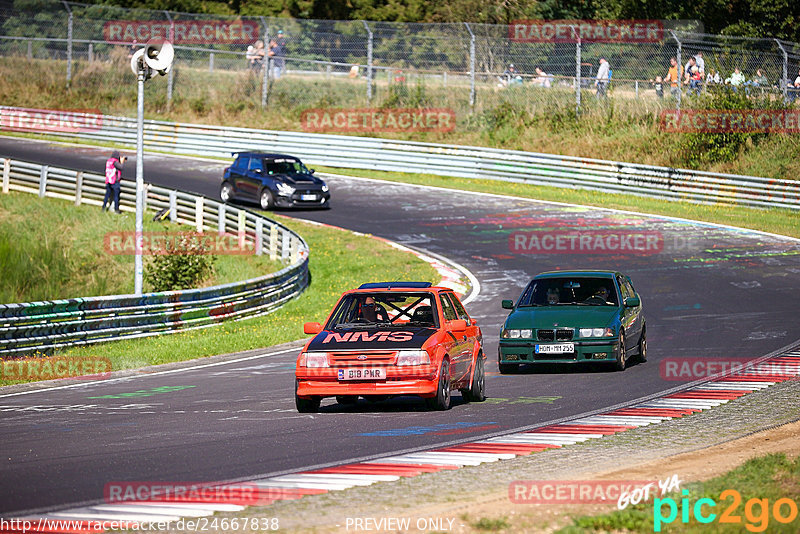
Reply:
x=785, y=79
x=138, y=270
x=265, y=66
x=578, y=52
x=91, y=53
x=171, y=73
x=211, y=62
x=680, y=71
x=69, y=42
x=369, y=61
x=471, y=66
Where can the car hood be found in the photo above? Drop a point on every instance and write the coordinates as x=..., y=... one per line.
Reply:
x=371, y=338
x=563, y=316
x=295, y=178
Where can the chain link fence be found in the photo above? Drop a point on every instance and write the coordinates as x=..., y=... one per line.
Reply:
x=351, y=64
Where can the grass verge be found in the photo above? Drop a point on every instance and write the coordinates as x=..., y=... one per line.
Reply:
x=51, y=249
x=774, y=220
x=340, y=260
x=760, y=483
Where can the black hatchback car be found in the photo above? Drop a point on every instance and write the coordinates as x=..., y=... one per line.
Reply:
x=273, y=180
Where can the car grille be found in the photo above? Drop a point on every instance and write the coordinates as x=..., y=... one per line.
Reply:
x=549, y=334
x=352, y=358
x=565, y=356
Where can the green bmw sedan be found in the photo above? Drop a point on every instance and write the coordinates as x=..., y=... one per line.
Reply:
x=572, y=317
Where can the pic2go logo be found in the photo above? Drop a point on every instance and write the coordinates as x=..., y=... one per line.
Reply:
x=756, y=511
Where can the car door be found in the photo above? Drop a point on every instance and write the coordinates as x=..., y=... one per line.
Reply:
x=238, y=172
x=459, y=352
x=253, y=179
x=629, y=315
x=473, y=331
x=638, y=316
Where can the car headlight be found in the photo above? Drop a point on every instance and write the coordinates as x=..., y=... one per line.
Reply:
x=324, y=188
x=314, y=359
x=413, y=357
x=514, y=333
x=285, y=190
x=596, y=332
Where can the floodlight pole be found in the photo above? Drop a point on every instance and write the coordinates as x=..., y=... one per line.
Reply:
x=137, y=283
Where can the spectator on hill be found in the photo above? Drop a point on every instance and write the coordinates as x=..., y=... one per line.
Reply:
x=793, y=89
x=658, y=85
x=673, y=78
x=713, y=78
x=277, y=53
x=255, y=58
x=687, y=70
x=542, y=78
x=759, y=80
x=700, y=62
x=736, y=79
x=603, y=78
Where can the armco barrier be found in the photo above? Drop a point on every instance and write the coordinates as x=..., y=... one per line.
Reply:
x=452, y=160
x=39, y=326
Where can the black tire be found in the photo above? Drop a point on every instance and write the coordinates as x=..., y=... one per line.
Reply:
x=226, y=192
x=310, y=405
x=441, y=401
x=266, y=200
x=477, y=389
x=622, y=356
x=643, y=346
x=347, y=399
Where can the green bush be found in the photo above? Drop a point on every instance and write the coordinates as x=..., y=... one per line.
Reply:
x=184, y=266
x=704, y=148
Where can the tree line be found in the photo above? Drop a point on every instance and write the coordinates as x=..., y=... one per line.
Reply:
x=752, y=18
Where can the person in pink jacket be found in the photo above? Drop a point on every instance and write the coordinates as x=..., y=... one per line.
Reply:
x=114, y=166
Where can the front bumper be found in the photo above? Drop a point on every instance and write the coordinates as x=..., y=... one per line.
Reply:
x=411, y=380
x=301, y=200
x=585, y=351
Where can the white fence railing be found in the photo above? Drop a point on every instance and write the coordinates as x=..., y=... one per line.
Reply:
x=40, y=326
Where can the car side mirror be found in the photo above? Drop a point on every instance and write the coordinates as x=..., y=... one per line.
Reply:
x=508, y=304
x=459, y=325
x=473, y=322
x=312, y=328
x=632, y=302
x=311, y=171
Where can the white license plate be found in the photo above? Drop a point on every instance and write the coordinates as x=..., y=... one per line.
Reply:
x=560, y=348
x=308, y=197
x=362, y=373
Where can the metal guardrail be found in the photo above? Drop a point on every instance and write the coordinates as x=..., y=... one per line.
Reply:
x=39, y=326
x=452, y=160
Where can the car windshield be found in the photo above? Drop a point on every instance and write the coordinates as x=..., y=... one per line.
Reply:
x=285, y=165
x=387, y=309
x=570, y=291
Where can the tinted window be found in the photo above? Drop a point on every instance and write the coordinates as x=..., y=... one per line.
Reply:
x=256, y=164
x=460, y=311
x=448, y=310
x=285, y=165
x=570, y=290
x=388, y=309
x=624, y=288
x=241, y=162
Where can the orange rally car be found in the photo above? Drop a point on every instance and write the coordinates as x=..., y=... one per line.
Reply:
x=392, y=338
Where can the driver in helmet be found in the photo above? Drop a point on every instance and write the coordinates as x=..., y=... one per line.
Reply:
x=373, y=312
